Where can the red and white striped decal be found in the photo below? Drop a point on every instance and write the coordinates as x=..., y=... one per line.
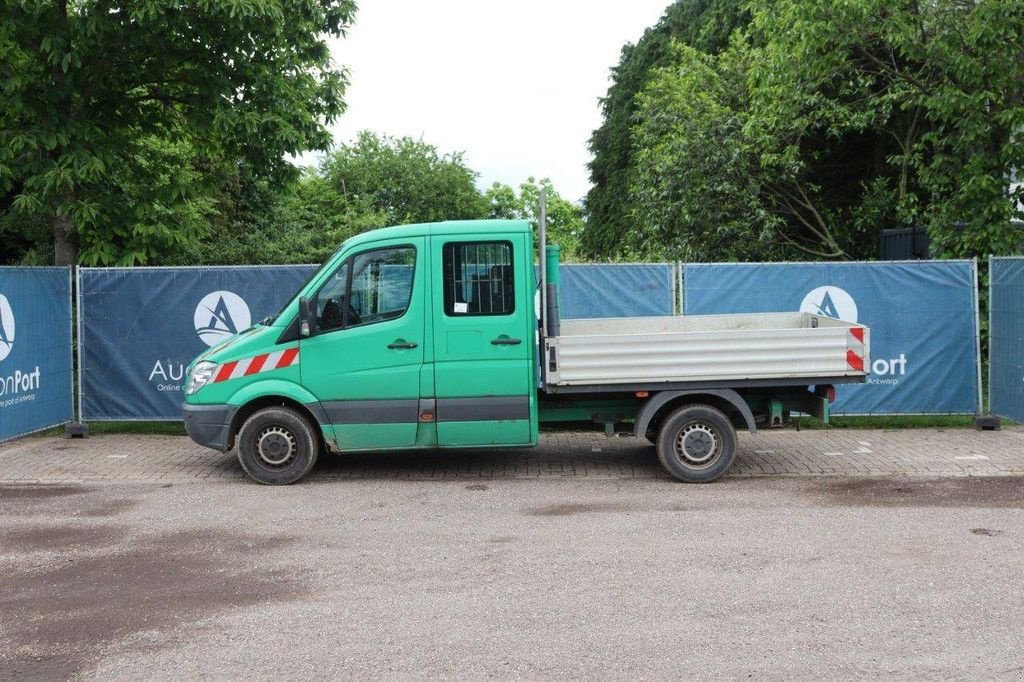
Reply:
x=855, y=347
x=257, y=364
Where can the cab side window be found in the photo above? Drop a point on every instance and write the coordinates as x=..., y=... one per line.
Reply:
x=369, y=287
x=478, y=278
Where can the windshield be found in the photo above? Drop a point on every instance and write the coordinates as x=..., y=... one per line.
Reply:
x=270, y=319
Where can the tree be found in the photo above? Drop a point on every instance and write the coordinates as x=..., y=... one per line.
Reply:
x=94, y=93
x=727, y=167
x=564, y=218
x=944, y=80
x=304, y=222
x=702, y=24
x=695, y=188
x=823, y=123
x=404, y=179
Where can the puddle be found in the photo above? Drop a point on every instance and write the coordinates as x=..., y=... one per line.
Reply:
x=38, y=491
x=573, y=509
x=104, y=588
x=995, y=492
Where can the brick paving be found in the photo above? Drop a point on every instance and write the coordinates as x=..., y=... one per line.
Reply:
x=850, y=452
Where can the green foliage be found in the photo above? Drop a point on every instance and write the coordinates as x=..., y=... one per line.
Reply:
x=823, y=122
x=945, y=80
x=702, y=24
x=158, y=203
x=98, y=98
x=372, y=183
x=695, y=188
x=304, y=223
x=564, y=218
x=406, y=180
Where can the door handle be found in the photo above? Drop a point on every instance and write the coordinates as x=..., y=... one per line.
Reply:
x=401, y=344
x=505, y=341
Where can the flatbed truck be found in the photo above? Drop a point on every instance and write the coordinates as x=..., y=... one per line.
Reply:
x=441, y=336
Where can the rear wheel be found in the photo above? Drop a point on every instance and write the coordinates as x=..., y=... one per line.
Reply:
x=696, y=443
x=277, y=446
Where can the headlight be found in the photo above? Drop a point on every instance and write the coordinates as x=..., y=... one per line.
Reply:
x=200, y=376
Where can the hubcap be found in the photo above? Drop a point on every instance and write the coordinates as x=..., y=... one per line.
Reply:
x=698, y=444
x=276, y=446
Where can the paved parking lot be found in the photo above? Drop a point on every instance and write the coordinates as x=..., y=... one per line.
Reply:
x=826, y=555
x=912, y=452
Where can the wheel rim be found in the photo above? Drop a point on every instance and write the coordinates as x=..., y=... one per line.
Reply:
x=276, y=446
x=698, y=444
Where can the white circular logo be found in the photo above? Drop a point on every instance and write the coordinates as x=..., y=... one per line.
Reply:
x=830, y=302
x=219, y=315
x=6, y=327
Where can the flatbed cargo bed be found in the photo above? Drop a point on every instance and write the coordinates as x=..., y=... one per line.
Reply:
x=661, y=352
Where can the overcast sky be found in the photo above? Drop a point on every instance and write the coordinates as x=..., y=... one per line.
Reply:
x=514, y=85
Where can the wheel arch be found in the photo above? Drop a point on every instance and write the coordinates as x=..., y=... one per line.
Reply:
x=256, y=404
x=659, y=404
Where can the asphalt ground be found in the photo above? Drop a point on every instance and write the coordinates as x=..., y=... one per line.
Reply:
x=900, y=575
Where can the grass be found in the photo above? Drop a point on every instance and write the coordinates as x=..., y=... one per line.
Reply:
x=140, y=428
x=940, y=421
x=147, y=428
x=923, y=421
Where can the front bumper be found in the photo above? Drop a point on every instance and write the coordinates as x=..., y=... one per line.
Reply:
x=209, y=425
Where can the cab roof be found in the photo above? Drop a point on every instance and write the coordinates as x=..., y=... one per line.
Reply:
x=449, y=227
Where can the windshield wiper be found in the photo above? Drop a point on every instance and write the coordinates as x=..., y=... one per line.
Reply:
x=267, y=321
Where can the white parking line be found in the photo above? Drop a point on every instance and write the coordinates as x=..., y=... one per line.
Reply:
x=972, y=457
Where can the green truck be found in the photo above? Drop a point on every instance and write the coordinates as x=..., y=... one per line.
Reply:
x=444, y=335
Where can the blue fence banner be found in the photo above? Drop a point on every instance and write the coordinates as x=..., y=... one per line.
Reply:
x=140, y=327
x=1006, y=338
x=36, y=376
x=922, y=315
x=616, y=290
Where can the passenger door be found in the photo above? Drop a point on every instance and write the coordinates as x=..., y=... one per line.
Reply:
x=364, y=361
x=483, y=340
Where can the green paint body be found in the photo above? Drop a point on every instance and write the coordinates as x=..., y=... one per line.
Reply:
x=437, y=373
x=453, y=359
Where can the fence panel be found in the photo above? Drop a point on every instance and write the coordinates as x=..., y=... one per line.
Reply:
x=36, y=375
x=615, y=290
x=140, y=327
x=1006, y=338
x=922, y=315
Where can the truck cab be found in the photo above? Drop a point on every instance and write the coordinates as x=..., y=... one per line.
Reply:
x=419, y=336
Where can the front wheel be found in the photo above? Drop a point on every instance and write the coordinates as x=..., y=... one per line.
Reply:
x=277, y=446
x=696, y=443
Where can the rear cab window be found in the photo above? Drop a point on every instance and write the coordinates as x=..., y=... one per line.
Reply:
x=478, y=278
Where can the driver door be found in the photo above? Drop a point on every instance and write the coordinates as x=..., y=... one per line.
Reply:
x=364, y=361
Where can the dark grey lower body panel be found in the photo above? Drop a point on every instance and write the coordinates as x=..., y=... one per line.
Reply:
x=487, y=408
x=209, y=425
x=404, y=411
x=697, y=385
x=371, y=411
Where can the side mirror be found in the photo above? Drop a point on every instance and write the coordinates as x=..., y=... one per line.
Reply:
x=305, y=317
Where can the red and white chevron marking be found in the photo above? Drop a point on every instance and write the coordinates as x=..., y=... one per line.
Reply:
x=257, y=364
x=856, y=345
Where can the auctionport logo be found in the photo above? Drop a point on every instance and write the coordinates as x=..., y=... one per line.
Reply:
x=219, y=315
x=831, y=302
x=6, y=327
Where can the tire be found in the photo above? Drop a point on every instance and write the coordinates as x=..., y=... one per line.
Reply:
x=277, y=446
x=696, y=444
